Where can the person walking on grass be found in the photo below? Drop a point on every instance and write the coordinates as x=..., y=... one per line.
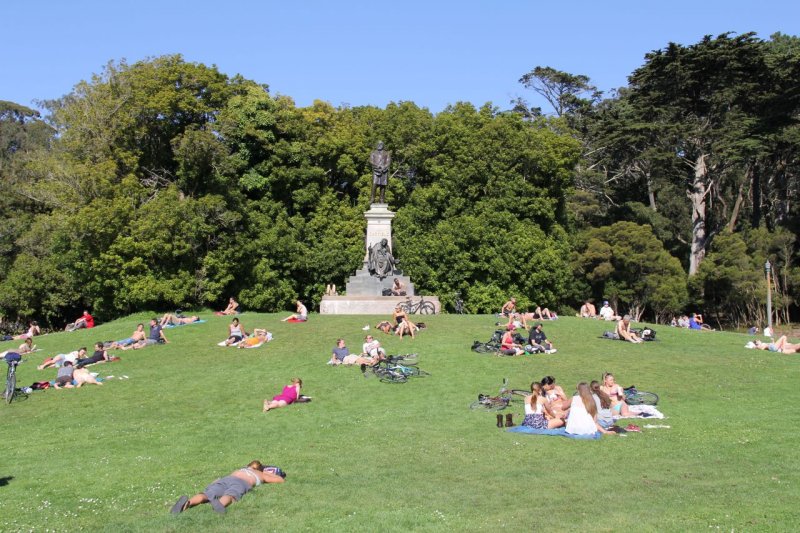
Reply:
x=226, y=490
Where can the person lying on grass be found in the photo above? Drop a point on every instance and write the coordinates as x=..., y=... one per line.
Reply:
x=137, y=335
x=156, y=336
x=341, y=355
x=582, y=418
x=99, y=356
x=619, y=406
x=288, y=395
x=258, y=338
x=236, y=332
x=372, y=349
x=58, y=359
x=538, y=414
x=781, y=345
x=174, y=320
x=624, y=331
x=82, y=376
x=226, y=490
x=33, y=330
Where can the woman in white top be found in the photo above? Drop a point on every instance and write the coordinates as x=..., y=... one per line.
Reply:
x=582, y=419
x=236, y=332
x=301, y=314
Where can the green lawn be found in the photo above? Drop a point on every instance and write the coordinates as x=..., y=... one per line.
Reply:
x=368, y=456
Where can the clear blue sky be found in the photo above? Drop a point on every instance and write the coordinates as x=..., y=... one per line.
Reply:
x=430, y=52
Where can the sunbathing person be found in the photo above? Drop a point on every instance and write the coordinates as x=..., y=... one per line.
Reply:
x=554, y=394
x=137, y=335
x=99, y=356
x=232, y=309
x=607, y=313
x=300, y=316
x=64, y=376
x=82, y=376
x=26, y=347
x=236, y=332
x=156, y=336
x=84, y=321
x=404, y=324
x=259, y=337
x=224, y=491
x=175, y=320
x=59, y=359
x=288, y=395
x=604, y=416
x=619, y=406
x=588, y=310
x=624, y=331
x=781, y=345
x=341, y=355
x=507, y=344
x=582, y=419
x=538, y=414
x=33, y=330
x=509, y=308
x=544, y=314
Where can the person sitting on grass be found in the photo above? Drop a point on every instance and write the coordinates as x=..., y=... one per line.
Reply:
x=607, y=313
x=782, y=345
x=507, y=344
x=582, y=418
x=288, y=395
x=156, y=336
x=259, y=337
x=539, y=341
x=624, y=331
x=33, y=330
x=588, y=310
x=538, y=414
x=236, y=332
x=84, y=321
x=619, y=407
x=603, y=401
x=696, y=322
x=175, y=320
x=61, y=358
x=226, y=490
x=137, y=335
x=301, y=314
x=557, y=400
x=26, y=347
x=404, y=324
x=341, y=355
x=232, y=309
x=99, y=356
x=64, y=376
x=509, y=308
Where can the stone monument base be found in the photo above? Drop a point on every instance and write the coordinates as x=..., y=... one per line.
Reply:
x=369, y=305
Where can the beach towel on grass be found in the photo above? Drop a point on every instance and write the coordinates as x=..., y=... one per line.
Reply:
x=643, y=411
x=558, y=432
x=170, y=326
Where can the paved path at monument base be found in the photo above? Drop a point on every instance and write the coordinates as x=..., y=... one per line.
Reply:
x=369, y=305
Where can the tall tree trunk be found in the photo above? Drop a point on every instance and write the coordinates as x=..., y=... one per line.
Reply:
x=697, y=195
x=650, y=194
x=737, y=205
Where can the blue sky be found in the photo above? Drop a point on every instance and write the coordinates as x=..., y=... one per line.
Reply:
x=433, y=53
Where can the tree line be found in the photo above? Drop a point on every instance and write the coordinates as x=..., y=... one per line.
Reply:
x=168, y=184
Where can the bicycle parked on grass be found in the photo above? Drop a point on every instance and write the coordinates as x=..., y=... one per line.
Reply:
x=497, y=403
x=422, y=307
x=633, y=396
x=397, y=369
x=12, y=359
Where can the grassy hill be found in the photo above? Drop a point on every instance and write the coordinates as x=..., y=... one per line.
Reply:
x=369, y=456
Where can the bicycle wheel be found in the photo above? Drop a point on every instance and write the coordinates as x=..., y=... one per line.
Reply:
x=426, y=308
x=11, y=386
x=416, y=372
x=408, y=307
x=518, y=395
x=642, y=398
x=479, y=405
x=393, y=377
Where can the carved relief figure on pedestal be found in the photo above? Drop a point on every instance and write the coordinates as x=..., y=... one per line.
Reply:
x=381, y=263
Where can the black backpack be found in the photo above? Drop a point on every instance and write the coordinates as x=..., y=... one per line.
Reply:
x=648, y=334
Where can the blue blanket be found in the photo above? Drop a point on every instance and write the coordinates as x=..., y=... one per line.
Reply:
x=179, y=325
x=559, y=432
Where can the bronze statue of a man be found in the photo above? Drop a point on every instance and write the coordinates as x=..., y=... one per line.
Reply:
x=380, y=160
x=381, y=263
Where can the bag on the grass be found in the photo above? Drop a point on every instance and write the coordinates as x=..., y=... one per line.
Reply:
x=519, y=339
x=482, y=347
x=278, y=471
x=648, y=334
x=610, y=335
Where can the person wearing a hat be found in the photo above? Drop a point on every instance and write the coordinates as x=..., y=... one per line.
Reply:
x=606, y=313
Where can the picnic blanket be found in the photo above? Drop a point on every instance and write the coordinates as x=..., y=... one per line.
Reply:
x=558, y=432
x=296, y=321
x=169, y=326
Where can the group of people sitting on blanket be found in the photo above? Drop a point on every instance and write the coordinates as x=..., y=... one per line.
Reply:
x=371, y=354
x=593, y=408
x=537, y=341
x=402, y=326
x=518, y=319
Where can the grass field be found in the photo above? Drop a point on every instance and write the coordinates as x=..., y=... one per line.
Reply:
x=369, y=456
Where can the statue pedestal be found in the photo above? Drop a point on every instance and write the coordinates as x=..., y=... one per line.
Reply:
x=364, y=292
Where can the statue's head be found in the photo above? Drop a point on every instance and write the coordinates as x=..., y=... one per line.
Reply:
x=384, y=242
x=379, y=146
